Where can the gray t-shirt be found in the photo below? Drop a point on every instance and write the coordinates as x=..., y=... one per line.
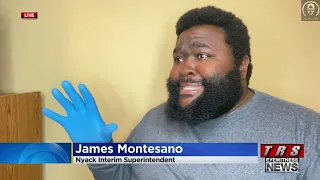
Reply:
x=264, y=119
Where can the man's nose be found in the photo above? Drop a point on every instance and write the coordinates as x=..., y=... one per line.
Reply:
x=188, y=68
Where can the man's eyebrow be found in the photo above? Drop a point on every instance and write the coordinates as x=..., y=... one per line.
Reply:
x=175, y=50
x=197, y=44
x=194, y=44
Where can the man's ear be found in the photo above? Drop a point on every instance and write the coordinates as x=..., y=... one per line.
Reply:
x=244, y=67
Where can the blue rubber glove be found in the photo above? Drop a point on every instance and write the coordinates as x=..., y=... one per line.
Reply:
x=83, y=122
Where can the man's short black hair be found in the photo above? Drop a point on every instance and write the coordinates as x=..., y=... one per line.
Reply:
x=235, y=30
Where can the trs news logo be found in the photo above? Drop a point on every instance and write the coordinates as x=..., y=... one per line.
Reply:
x=282, y=157
x=29, y=15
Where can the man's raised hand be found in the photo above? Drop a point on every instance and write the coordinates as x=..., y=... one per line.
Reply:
x=83, y=122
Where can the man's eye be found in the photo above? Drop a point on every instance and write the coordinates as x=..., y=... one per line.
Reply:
x=178, y=59
x=202, y=56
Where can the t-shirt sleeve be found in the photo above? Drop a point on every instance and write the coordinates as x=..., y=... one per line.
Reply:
x=311, y=162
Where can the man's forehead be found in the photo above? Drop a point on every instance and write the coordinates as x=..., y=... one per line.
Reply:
x=203, y=30
x=191, y=34
x=192, y=38
x=201, y=34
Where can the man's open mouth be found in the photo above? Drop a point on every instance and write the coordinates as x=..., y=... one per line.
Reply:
x=190, y=88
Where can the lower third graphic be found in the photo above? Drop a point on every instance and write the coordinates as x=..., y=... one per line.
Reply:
x=35, y=153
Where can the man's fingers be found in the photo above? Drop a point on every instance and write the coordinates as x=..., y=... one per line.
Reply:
x=73, y=95
x=88, y=98
x=63, y=101
x=54, y=116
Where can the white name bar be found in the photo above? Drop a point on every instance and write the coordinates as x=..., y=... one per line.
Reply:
x=165, y=160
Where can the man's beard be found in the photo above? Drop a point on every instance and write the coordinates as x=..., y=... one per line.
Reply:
x=220, y=95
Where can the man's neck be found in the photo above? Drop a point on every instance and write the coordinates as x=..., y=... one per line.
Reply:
x=245, y=98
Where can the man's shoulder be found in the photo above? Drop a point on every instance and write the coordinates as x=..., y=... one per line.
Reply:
x=287, y=111
x=156, y=112
x=285, y=105
x=150, y=124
